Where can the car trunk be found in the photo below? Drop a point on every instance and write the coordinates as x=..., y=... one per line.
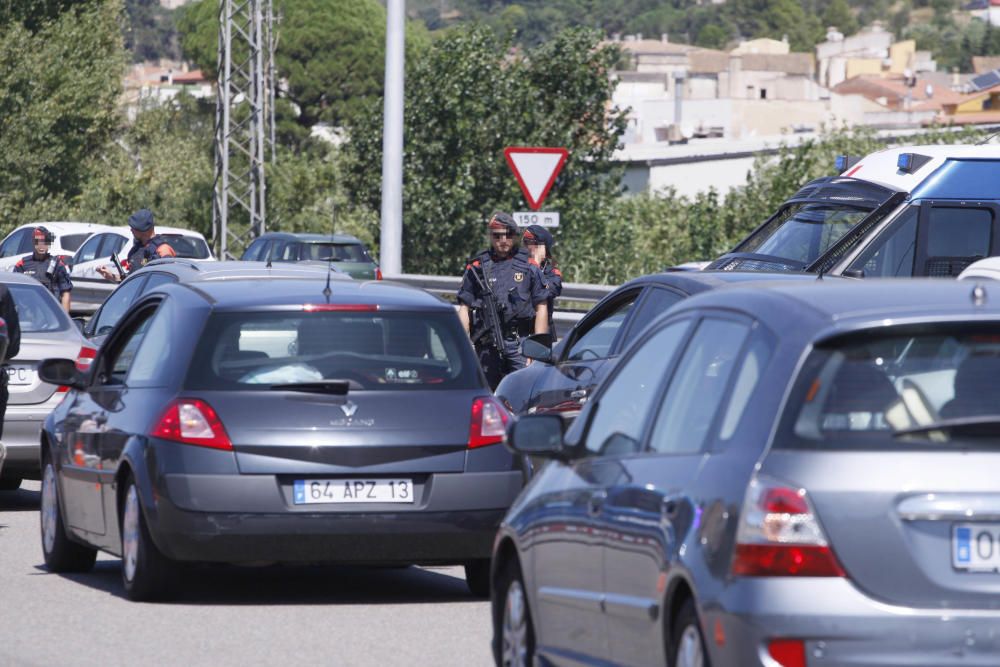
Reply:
x=23, y=384
x=893, y=519
x=287, y=432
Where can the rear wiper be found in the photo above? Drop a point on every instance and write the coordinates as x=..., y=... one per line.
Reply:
x=338, y=387
x=983, y=425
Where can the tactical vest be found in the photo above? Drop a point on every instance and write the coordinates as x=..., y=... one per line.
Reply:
x=511, y=281
x=42, y=270
x=141, y=255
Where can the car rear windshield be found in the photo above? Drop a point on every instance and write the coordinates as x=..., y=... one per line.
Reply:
x=931, y=389
x=373, y=350
x=72, y=242
x=337, y=252
x=37, y=311
x=804, y=232
x=189, y=247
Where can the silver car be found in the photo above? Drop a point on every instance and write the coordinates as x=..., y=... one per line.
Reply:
x=46, y=331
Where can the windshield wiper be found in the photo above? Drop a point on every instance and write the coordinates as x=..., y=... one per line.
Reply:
x=982, y=425
x=337, y=387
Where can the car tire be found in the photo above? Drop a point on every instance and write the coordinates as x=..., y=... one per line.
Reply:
x=10, y=483
x=60, y=552
x=477, y=577
x=513, y=632
x=146, y=573
x=687, y=639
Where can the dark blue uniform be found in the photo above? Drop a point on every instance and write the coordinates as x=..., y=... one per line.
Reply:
x=552, y=280
x=141, y=254
x=518, y=287
x=49, y=271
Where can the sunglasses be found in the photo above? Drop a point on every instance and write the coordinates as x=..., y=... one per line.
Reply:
x=502, y=235
x=41, y=242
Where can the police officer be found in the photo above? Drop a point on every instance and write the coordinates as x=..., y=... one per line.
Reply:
x=518, y=289
x=46, y=269
x=146, y=246
x=8, y=312
x=538, y=242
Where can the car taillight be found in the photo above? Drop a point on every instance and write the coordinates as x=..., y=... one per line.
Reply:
x=192, y=422
x=85, y=358
x=489, y=422
x=378, y=273
x=340, y=307
x=788, y=652
x=780, y=536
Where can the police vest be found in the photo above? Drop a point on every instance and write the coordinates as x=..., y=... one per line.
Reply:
x=511, y=281
x=45, y=270
x=141, y=255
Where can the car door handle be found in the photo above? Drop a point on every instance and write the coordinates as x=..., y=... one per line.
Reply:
x=596, y=503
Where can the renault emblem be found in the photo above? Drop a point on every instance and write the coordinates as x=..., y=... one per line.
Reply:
x=349, y=408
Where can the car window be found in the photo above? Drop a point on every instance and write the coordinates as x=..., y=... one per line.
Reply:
x=956, y=233
x=111, y=244
x=891, y=254
x=336, y=252
x=154, y=350
x=26, y=244
x=37, y=311
x=70, y=242
x=751, y=367
x=656, y=302
x=252, y=253
x=190, y=247
x=123, y=350
x=698, y=386
x=89, y=250
x=803, y=232
x=117, y=304
x=12, y=244
x=156, y=279
x=622, y=408
x=595, y=342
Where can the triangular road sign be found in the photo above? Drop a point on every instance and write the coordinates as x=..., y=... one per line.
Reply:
x=536, y=170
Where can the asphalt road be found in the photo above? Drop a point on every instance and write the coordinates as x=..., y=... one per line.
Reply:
x=229, y=615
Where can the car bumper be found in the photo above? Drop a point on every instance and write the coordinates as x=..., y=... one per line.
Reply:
x=240, y=518
x=21, y=436
x=841, y=627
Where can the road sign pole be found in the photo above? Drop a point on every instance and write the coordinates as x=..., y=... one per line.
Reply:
x=391, y=242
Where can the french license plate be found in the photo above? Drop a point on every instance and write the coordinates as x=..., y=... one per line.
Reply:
x=317, y=491
x=20, y=375
x=976, y=547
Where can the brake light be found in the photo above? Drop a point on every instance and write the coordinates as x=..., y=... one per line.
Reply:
x=340, y=307
x=378, y=273
x=780, y=536
x=85, y=358
x=489, y=422
x=788, y=652
x=193, y=422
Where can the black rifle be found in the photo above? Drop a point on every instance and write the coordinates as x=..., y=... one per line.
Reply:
x=488, y=311
x=118, y=266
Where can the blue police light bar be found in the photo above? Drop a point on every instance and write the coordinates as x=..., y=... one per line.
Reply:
x=842, y=161
x=909, y=163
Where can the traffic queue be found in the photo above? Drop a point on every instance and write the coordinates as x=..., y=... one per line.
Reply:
x=784, y=459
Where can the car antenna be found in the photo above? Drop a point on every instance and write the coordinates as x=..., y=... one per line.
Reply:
x=270, y=250
x=329, y=258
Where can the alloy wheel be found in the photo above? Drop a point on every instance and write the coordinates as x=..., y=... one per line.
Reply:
x=130, y=533
x=515, y=628
x=689, y=651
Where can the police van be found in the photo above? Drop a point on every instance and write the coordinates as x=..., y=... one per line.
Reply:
x=900, y=212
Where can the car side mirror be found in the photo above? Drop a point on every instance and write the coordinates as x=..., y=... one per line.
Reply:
x=61, y=372
x=538, y=347
x=854, y=273
x=539, y=435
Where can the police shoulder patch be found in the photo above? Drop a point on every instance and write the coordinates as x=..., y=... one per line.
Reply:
x=518, y=276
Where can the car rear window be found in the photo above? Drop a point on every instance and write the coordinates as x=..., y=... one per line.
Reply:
x=337, y=252
x=189, y=247
x=37, y=311
x=931, y=389
x=72, y=242
x=373, y=350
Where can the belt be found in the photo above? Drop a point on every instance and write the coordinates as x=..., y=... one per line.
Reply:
x=517, y=330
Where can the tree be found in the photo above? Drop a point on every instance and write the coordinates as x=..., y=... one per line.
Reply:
x=330, y=52
x=59, y=97
x=838, y=14
x=467, y=99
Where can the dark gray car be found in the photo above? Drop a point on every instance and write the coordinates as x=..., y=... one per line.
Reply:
x=786, y=475
x=288, y=421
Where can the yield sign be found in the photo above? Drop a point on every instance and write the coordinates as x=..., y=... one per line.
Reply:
x=536, y=170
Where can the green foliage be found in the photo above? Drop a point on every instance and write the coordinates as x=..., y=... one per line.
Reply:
x=838, y=14
x=59, y=89
x=467, y=100
x=150, y=33
x=330, y=52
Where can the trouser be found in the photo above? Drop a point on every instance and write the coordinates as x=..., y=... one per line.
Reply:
x=4, y=396
x=499, y=363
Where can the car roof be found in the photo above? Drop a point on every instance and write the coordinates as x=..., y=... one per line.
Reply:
x=880, y=167
x=126, y=231
x=984, y=268
x=823, y=308
x=693, y=282
x=312, y=238
x=66, y=227
x=233, y=295
x=188, y=270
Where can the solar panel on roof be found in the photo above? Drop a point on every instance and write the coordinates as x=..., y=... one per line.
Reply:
x=988, y=80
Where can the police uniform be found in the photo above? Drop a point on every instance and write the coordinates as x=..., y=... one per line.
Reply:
x=8, y=311
x=49, y=270
x=518, y=287
x=141, y=254
x=551, y=276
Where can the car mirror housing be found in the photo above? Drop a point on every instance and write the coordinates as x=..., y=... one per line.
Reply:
x=61, y=372
x=538, y=435
x=538, y=347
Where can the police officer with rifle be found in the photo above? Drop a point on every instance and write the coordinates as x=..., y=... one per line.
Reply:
x=502, y=300
x=50, y=271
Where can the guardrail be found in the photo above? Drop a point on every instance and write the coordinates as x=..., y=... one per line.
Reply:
x=89, y=294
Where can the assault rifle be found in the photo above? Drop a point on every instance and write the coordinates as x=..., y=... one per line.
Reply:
x=488, y=312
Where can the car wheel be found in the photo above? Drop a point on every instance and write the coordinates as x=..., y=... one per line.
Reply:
x=514, y=643
x=688, y=641
x=146, y=573
x=61, y=553
x=477, y=577
x=10, y=483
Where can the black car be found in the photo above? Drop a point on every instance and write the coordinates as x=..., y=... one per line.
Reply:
x=281, y=421
x=569, y=373
x=349, y=253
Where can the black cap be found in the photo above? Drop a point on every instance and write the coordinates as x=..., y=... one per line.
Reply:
x=141, y=220
x=538, y=234
x=501, y=220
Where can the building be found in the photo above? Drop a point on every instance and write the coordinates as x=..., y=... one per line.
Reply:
x=154, y=84
x=869, y=52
